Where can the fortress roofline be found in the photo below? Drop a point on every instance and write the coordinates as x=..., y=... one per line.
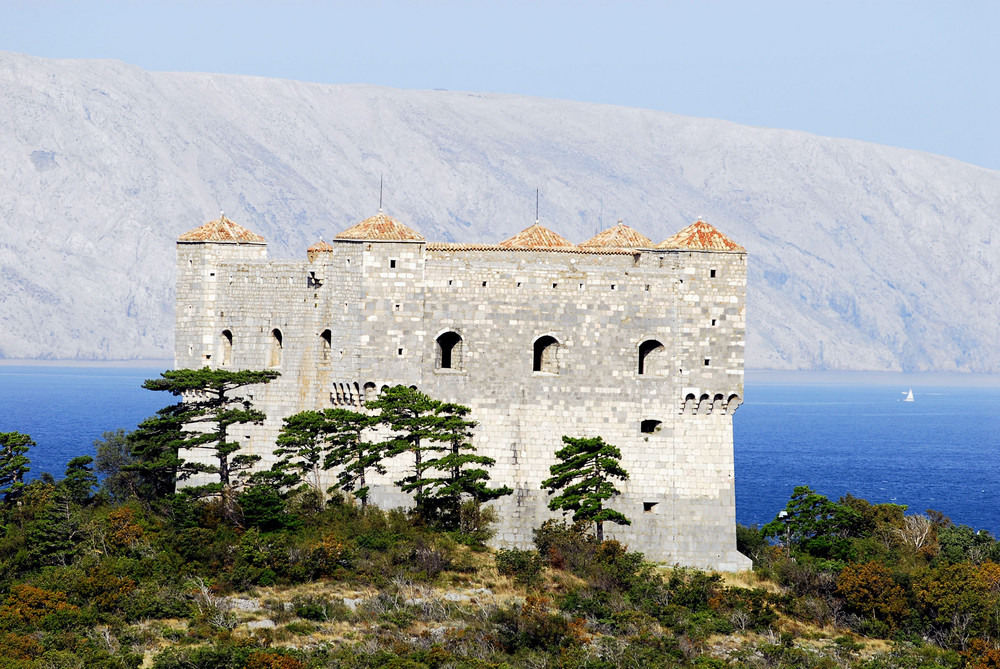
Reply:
x=620, y=236
x=537, y=237
x=222, y=231
x=700, y=236
x=380, y=228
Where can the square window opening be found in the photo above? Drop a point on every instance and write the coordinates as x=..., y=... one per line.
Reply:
x=708, y=362
x=649, y=507
x=713, y=322
x=399, y=351
x=484, y=284
x=711, y=273
x=392, y=263
x=555, y=285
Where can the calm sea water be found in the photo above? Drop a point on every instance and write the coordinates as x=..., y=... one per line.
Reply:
x=836, y=433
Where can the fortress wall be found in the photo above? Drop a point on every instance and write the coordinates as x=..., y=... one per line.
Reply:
x=386, y=303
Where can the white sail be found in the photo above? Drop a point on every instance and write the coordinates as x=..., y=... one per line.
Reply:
x=909, y=395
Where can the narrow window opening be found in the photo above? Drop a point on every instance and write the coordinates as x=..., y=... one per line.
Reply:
x=646, y=288
x=614, y=287
x=713, y=322
x=326, y=341
x=399, y=351
x=276, y=346
x=398, y=307
x=650, y=426
x=392, y=263
x=555, y=285
x=518, y=284
x=546, y=349
x=711, y=273
x=649, y=507
x=449, y=282
x=650, y=353
x=449, y=351
x=581, y=286
x=484, y=284
x=708, y=362
x=227, y=347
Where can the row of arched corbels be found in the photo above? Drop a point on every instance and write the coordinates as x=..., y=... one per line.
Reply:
x=707, y=404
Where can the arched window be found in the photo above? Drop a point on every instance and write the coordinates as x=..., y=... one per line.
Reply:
x=275, y=360
x=326, y=340
x=370, y=392
x=651, y=353
x=546, y=350
x=449, y=351
x=227, y=347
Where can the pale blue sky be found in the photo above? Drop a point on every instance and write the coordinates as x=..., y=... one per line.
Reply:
x=915, y=74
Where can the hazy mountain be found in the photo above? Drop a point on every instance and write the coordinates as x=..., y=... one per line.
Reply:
x=861, y=256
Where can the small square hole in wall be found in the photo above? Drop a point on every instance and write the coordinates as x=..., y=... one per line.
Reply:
x=581, y=286
x=555, y=285
x=646, y=288
x=392, y=263
x=484, y=284
x=707, y=362
x=713, y=322
x=518, y=284
x=399, y=351
x=614, y=286
x=450, y=282
x=711, y=273
x=649, y=507
x=398, y=307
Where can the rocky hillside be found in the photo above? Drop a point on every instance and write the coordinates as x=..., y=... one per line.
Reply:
x=861, y=256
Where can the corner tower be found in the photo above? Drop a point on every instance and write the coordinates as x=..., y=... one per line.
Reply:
x=200, y=254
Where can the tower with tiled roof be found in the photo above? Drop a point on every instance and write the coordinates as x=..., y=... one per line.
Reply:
x=618, y=337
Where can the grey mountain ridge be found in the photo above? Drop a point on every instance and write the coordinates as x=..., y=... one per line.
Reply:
x=860, y=256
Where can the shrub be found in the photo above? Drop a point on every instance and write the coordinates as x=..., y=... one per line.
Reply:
x=524, y=566
x=27, y=605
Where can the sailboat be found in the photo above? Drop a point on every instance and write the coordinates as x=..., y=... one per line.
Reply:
x=909, y=395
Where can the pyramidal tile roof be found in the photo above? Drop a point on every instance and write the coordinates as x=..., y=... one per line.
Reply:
x=381, y=228
x=619, y=237
x=536, y=237
x=700, y=236
x=221, y=230
x=320, y=247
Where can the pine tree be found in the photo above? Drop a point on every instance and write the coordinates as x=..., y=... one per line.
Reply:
x=409, y=413
x=461, y=473
x=583, y=472
x=207, y=413
x=13, y=464
x=80, y=479
x=350, y=452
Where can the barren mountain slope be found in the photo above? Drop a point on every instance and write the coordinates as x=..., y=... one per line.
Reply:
x=861, y=256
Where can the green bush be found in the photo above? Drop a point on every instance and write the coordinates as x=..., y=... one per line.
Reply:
x=524, y=566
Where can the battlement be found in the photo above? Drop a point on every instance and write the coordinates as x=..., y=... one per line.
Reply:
x=639, y=343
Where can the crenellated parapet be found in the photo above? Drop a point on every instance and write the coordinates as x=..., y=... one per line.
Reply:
x=697, y=403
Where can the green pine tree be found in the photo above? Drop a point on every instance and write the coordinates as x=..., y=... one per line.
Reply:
x=349, y=451
x=583, y=475
x=211, y=407
x=13, y=464
x=80, y=479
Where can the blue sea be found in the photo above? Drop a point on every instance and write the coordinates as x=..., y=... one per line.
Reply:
x=837, y=433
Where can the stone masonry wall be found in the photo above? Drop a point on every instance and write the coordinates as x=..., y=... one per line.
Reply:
x=385, y=304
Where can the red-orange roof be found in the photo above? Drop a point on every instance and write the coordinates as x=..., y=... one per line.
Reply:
x=221, y=230
x=381, y=228
x=536, y=236
x=320, y=247
x=620, y=237
x=700, y=236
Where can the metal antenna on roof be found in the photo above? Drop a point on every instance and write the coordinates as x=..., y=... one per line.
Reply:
x=536, y=206
x=380, y=192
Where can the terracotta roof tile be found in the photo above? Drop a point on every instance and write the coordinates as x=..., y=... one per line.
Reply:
x=620, y=237
x=381, y=228
x=536, y=237
x=320, y=247
x=700, y=236
x=221, y=230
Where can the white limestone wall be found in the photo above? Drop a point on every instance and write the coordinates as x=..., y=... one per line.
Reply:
x=385, y=304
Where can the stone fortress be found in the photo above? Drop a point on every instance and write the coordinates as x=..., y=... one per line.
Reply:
x=619, y=337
